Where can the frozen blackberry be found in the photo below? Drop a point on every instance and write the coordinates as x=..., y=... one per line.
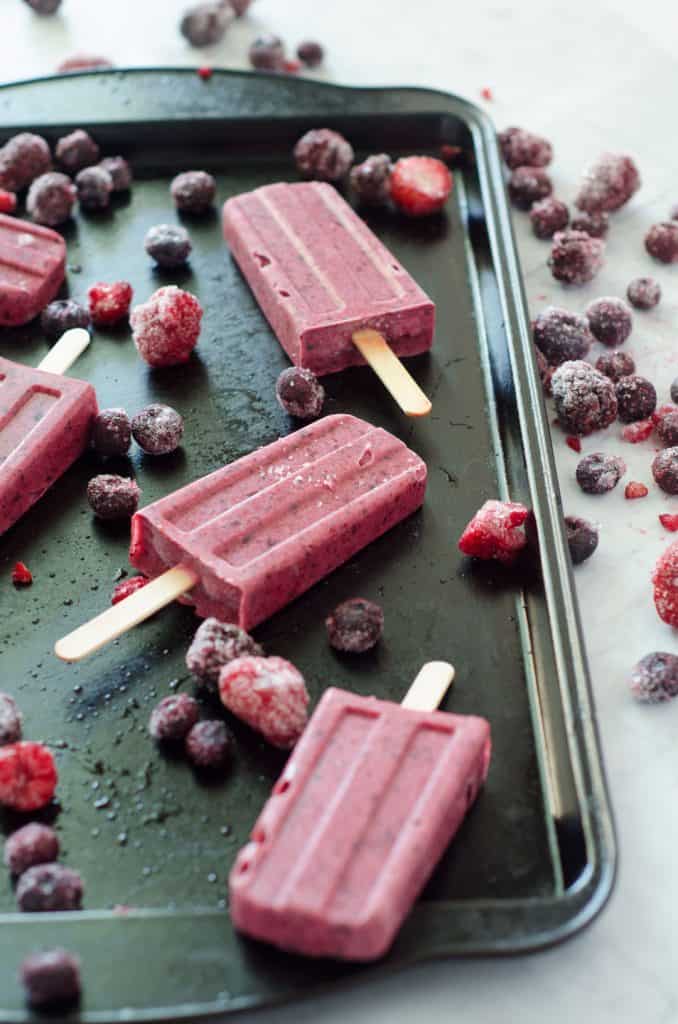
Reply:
x=585, y=399
x=610, y=320
x=521, y=148
x=94, y=186
x=323, y=154
x=599, y=473
x=49, y=887
x=371, y=179
x=113, y=497
x=76, y=151
x=636, y=398
x=33, y=844
x=582, y=538
x=355, y=625
x=548, y=216
x=644, y=292
x=10, y=720
x=655, y=678
x=51, y=978
x=50, y=199
x=208, y=744
x=158, y=429
x=561, y=335
x=120, y=172
x=575, y=257
x=205, y=24
x=596, y=224
x=310, y=53
x=174, y=717
x=193, y=191
x=62, y=315
x=527, y=185
x=23, y=158
x=168, y=244
x=666, y=427
x=616, y=365
x=665, y=470
x=267, y=53
x=44, y=6
x=111, y=432
x=661, y=241
x=300, y=393
x=214, y=645
x=608, y=183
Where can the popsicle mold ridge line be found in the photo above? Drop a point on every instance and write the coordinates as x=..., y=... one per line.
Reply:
x=32, y=269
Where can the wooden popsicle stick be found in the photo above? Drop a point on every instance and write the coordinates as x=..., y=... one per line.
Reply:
x=68, y=348
x=376, y=351
x=121, y=617
x=430, y=686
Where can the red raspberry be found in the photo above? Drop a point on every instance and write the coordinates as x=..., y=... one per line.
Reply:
x=127, y=587
x=205, y=73
x=22, y=575
x=267, y=693
x=669, y=522
x=292, y=67
x=420, y=185
x=665, y=580
x=7, y=201
x=166, y=328
x=495, y=532
x=109, y=303
x=28, y=776
x=661, y=412
x=638, y=431
x=574, y=443
x=635, y=490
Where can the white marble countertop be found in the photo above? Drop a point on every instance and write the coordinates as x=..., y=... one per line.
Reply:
x=590, y=75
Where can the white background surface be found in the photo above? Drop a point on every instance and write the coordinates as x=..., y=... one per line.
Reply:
x=592, y=76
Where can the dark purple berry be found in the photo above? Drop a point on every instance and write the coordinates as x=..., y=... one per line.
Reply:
x=193, y=191
x=158, y=429
x=655, y=678
x=585, y=399
x=10, y=720
x=173, y=717
x=208, y=744
x=94, y=186
x=610, y=320
x=561, y=335
x=50, y=199
x=545, y=371
x=575, y=257
x=267, y=53
x=548, y=216
x=599, y=473
x=355, y=625
x=300, y=393
x=120, y=172
x=371, y=179
x=661, y=241
x=666, y=427
x=674, y=390
x=33, y=844
x=616, y=364
x=23, y=158
x=111, y=432
x=636, y=398
x=596, y=224
x=521, y=148
x=644, y=292
x=310, y=53
x=51, y=978
x=608, y=183
x=527, y=185
x=205, y=23
x=240, y=6
x=582, y=538
x=214, y=645
x=113, y=497
x=61, y=316
x=665, y=470
x=76, y=151
x=49, y=887
x=44, y=6
x=323, y=154
x=168, y=244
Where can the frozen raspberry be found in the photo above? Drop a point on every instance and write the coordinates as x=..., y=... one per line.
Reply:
x=49, y=887
x=267, y=53
x=582, y=538
x=496, y=531
x=94, y=186
x=21, y=575
x=665, y=469
x=173, y=717
x=44, y=6
x=310, y=53
x=355, y=625
x=125, y=588
x=111, y=432
x=575, y=257
x=561, y=335
x=596, y=224
x=23, y=159
x=452, y=155
x=28, y=776
x=109, y=303
x=585, y=399
x=371, y=180
x=574, y=443
x=84, y=62
x=113, y=497
x=661, y=241
x=50, y=199
x=76, y=151
x=610, y=320
x=208, y=744
x=300, y=393
x=616, y=364
x=548, y=216
x=635, y=490
x=267, y=693
x=655, y=678
x=166, y=327
x=636, y=398
x=205, y=72
x=644, y=292
x=214, y=645
x=33, y=844
x=168, y=244
x=608, y=183
x=420, y=185
x=10, y=720
x=62, y=315
x=527, y=185
x=205, y=23
x=669, y=522
x=665, y=580
x=323, y=154
x=666, y=426
x=158, y=429
x=8, y=201
x=521, y=148
x=634, y=433
x=51, y=978
x=599, y=473
x=193, y=191
x=120, y=172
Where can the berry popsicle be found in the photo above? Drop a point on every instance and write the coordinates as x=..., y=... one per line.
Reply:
x=45, y=422
x=367, y=803
x=32, y=269
x=333, y=294
x=249, y=538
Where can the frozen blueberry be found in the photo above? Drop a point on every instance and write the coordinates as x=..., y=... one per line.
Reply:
x=644, y=292
x=173, y=717
x=665, y=470
x=655, y=678
x=300, y=393
x=561, y=335
x=527, y=185
x=76, y=151
x=636, y=398
x=44, y=6
x=94, y=186
x=521, y=148
x=62, y=315
x=661, y=241
x=575, y=257
x=323, y=154
x=10, y=720
x=599, y=473
x=596, y=224
x=49, y=887
x=113, y=497
x=193, y=191
x=50, y=199
x=51, y=978
x=23, y=158
x=371, y=179
x=355, y=625
x=310, y=53
x=214, y=645
x=585, y=399
x=610, y=320
x=582, y=538
x=168, y=244
x=666, y=427
x=267, y=53
x=120, y=172
x=548, y=216
x=608, y=183
x=33, y=844
x=158, y=429
x=111, y=432
x=616, y=364
x=208, y=744
x=205, y=23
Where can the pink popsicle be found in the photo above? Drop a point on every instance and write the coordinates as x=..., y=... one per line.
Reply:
x=368, y=801
x=319, y=275
x=32, y=269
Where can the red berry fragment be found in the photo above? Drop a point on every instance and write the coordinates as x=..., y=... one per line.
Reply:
x=661, y=241
x=599, y=473
x=109, y=303
x=655, y=678
x=608, y=183
x=634, y=489
x=486, y=93
x=575, y=257
x=585, y=399
x=644, y=292
x=124, y=588
x=521, y=148
x=51, y=978
x=269, y=694
x=166, y=327
x=574, y=443
x=173, y=717
x=616, y=365
x=323, y=154
x=21, y=575
x=665, y=580
x=669, y=522
x=291, y=67
x=420, y=185
x=496, y=531
x=526, y=185
x=205, y=73
x=33, y=844
x=638, y=431
x=548, y=216
x=665, y=470
x=355, y=625
x=84, y=62
x=28, y=776
x=561, y=335
x=7, y=201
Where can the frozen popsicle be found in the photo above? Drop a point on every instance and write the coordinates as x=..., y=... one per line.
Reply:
x=370, y=798
x=32, y=269
x=333, y=294
x=249, y=538
x=45, y=422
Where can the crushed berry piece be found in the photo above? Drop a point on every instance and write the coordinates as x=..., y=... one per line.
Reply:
x=125, y=588
x=204, y=24
x=205, y=72
x=50, y=199
x=113, y=497
x=44, y=6
x=661, y=241
x=420, y=185
x=84, y=62
x=496, y=531
x=575, y=257
x=355, y=625
x=582, y=538
x=208, y=744
x=636, y=432
x=46, y=888
x=291, y=67
x=610, y=320
x=596, y=224
x=61, y=316
x=486, y=93
x=300, y=393
x=21, y=575
x=635, y=490
x=608, y=183
x=8, y=201
x=120, y=172
x=51, y=978
x=11, y=720
x=669, y=522
x=267, y=53
x=23, y=158
x=616, y=365
x=666, y=426
x=371, y=180
x=310, y=53
x=665, y=581
x=527, y=185
x=644, y=292
x=94, y=185
x=76, y=151
x=636, y=398
x=665, y=469
x=655, y=678
x=323, y=154
x=269, y=694
x=585, y=399
x=562, y=336
x=168, y=244
x=521, y=148
x=109, y=303
x=28, y=776
x=599, y=473
x=548, y=216
x=173, y=717
x=574, y=443
x=33, y=844
x=158, y=429
x=166, y=327
x=193, y=192
x=111, y=432
x=214, y=645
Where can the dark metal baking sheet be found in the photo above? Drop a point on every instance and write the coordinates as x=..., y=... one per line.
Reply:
x=535, y=859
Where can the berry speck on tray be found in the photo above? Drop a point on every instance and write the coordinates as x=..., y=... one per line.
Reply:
x=84, y=62
x=635, y=489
